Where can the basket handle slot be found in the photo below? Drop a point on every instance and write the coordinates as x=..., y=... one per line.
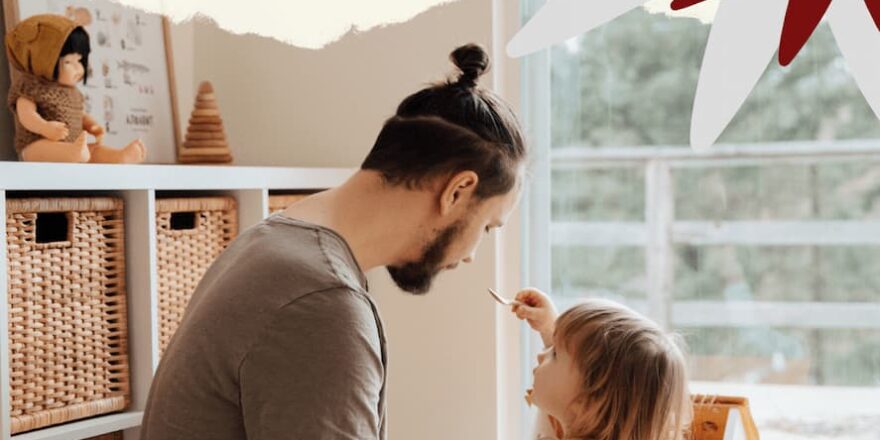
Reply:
x=53, y=227
x=183, y=221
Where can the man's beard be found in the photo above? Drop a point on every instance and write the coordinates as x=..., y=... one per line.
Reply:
x=416, y=277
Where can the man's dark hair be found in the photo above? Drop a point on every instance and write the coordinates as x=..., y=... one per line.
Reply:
x=452, y=127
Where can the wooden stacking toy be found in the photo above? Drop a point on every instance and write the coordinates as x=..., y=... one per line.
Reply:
x=205, y=137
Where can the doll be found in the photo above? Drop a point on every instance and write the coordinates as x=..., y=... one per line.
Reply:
x=51, y=54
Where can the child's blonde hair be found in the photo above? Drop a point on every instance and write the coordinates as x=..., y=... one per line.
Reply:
x=633, y=374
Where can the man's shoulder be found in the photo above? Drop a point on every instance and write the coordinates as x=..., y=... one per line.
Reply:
x=341, y=304
x=309, y=251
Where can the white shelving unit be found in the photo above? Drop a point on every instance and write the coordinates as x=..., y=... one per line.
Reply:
x=139, y=186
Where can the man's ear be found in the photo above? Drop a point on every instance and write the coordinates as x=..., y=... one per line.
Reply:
x=459, y=189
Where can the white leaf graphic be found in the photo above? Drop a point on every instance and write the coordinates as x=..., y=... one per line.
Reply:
x=560, y=20
x=743, y=39
x=859, y=42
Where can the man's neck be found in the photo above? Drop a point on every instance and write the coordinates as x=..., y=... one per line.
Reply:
x=378, y=222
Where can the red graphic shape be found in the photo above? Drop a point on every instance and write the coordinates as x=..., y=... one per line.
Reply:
x=681, y=4
x=874, y=7
x=801, y=20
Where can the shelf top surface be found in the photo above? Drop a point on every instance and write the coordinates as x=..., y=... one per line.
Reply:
x=37, y=176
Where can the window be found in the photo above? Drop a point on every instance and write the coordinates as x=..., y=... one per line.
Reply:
x=764, y=252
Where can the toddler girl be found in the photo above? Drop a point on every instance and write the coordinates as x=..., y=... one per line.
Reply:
x=607, y=373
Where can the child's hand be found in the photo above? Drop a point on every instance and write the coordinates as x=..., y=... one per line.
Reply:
x=538, y=310
x=55, y=131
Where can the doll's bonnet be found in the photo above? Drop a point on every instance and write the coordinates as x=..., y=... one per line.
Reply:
x=34, y=45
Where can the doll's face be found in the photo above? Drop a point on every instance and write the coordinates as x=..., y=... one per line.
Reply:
x=70, y=69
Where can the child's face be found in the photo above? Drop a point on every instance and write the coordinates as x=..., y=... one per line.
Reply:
x=557, y=382
x=70, y=69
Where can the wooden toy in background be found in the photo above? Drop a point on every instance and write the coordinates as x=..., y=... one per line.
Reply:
x=205, y=138
x=714, y=416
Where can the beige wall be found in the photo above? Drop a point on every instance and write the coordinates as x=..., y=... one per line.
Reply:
x=296, y=107
x=183, y=51
x=442, y=354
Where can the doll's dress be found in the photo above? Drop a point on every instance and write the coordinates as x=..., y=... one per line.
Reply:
x=55, y=102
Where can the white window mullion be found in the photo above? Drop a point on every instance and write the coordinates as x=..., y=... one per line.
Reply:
x=536, y=203
x=659, y=217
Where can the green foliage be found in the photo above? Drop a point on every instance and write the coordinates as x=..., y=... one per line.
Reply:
x=632, y=83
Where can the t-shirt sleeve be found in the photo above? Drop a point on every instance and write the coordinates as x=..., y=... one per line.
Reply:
x=316, y=372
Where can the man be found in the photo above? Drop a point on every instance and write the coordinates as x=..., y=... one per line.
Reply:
x=281, y=339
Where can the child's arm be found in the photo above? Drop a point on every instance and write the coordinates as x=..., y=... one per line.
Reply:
x=539, y=311
x=26, y=110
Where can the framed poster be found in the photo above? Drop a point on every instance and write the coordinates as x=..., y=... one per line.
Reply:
x=131, y=89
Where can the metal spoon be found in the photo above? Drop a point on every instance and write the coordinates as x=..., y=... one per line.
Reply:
x=503, y=301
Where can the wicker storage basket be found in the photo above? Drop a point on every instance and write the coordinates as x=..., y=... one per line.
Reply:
x=68, y=340
x=279, y=202
x=190, y=233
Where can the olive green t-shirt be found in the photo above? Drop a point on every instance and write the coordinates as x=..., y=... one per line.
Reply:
x=279, y=341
